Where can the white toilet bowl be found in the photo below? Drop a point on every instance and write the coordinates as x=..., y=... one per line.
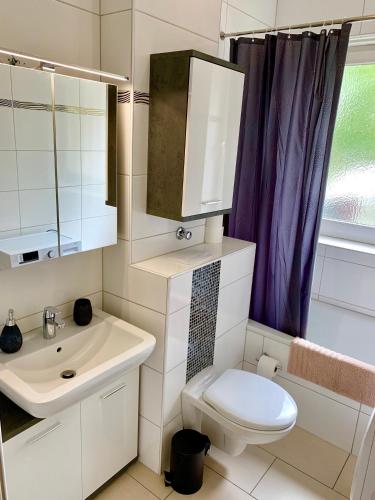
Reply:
x=250, y=409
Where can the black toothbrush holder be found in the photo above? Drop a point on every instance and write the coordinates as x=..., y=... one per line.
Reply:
x=82, y=312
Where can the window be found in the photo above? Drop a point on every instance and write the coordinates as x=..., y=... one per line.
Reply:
x=349, y=207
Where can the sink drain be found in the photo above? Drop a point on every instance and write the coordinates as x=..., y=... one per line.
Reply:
x=68, y=374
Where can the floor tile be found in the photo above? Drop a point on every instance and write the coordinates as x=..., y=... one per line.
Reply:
x=344, y=482
x=214, y=487
x=245, y=470
x=283, y=482
x=149, y=480
x=310, y=454
x=125, y=488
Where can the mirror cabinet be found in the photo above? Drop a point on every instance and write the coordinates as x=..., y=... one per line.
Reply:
x=57, y=165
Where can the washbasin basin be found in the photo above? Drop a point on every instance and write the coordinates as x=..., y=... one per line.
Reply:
x=46, y=376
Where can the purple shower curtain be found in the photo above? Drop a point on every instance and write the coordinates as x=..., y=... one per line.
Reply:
x=291, y=93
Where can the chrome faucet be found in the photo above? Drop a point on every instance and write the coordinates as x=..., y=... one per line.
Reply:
x=51, y=321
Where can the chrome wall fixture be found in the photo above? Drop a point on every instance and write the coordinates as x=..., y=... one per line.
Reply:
x=48, y=65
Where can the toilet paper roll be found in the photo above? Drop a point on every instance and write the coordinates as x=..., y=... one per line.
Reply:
x=267, y=366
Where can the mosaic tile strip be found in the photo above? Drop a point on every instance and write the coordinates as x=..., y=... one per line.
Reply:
x=123, y=96
x=203, y=315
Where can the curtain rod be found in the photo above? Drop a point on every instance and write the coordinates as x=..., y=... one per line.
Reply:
x=316, y=24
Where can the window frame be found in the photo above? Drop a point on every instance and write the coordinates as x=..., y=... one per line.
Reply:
x=363, y=48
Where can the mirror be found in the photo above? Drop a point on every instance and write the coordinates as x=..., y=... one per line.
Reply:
x=57, y=165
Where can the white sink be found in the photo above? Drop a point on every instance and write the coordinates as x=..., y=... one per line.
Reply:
x=97, y=353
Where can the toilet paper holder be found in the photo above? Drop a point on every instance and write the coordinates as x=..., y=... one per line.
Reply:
x=278, y=368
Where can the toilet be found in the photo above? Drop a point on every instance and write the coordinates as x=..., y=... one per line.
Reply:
x=242, y=407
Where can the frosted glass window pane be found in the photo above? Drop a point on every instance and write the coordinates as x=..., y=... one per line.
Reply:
x=350, y=194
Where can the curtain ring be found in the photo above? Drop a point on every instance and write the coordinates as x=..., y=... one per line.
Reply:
x=252, y=37
x=289, y=33
x=331, y=29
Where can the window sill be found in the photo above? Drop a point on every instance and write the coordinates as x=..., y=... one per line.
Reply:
x=354, y=246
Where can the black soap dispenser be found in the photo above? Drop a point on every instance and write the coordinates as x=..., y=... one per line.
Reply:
x=11, y=336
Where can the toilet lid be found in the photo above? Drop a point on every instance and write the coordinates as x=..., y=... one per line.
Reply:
x=251, y=401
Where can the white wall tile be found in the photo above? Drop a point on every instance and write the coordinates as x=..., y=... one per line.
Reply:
x=179, y=291
x=124, y=205
x=144, y=225
x=263, y=11
x=253, y=347
x=140, y=139
x=353, y=254
x=233, y=304
x=317, y=276
x=8, y=170
x=147, y=289
x=320, y=415
x=366, y=409
x=194, y=15
x=66, y=90
x=236, y=266
x=350, y=283
x=334, y=327
x=93, y=132
x=229, y=348
x=239, y=21
x=37, y=207
x=124, y=136
x=363, y=421
x=154, y=323
x=36, y=169
x=77, y=275
x=369, y=8
x=174, y=382
x=9, y=211
x=109, y=6
x=116, y=260
x=295, y=11
x=149, y=445
x=153, y=246
x=48, y=38
x=116, y=306
x=152, y=36
x=90, y=5
x=177, y=336
x=151, y=395
x=116, y=47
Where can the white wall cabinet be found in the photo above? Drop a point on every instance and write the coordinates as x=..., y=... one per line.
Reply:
x=70, y=455
x=109, y=431
x=195, y=111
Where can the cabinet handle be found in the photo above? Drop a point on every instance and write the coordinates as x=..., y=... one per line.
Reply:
x=44, y=434
x=213, y=202
x=123, y=386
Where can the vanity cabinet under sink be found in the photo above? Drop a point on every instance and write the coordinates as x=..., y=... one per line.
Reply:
x=73, y=453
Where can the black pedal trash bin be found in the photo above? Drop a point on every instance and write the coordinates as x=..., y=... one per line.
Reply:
x=188, y=450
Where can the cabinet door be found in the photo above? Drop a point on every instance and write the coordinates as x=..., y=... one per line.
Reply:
x=213, y=121
x=44, y=462
x=109, y=431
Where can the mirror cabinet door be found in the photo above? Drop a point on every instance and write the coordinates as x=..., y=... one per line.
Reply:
x=28, y=212
x=57, y=165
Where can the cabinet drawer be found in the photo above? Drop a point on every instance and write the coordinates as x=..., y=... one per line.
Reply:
x=44, y=462
x=109, y=421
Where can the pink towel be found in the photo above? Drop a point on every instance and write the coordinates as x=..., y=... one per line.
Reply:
x=340, y=373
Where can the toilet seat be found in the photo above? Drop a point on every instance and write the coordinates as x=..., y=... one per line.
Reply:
x=251, y=401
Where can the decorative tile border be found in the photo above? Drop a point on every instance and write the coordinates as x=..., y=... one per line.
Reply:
x=141, y=97
x=62, y=108
x=203, y=316
x=123, y=96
